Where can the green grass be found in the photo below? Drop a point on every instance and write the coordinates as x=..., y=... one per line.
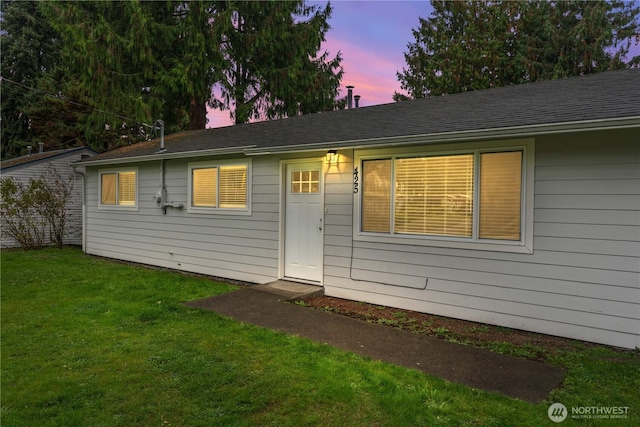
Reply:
x=88, y=342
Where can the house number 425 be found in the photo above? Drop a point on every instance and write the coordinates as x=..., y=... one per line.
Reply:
x=355, y=180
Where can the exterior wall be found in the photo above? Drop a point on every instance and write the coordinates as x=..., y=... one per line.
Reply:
x=239, y=247
x=22, y=173
x=581, y=281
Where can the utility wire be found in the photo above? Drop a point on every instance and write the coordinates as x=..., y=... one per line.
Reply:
x=2, y=79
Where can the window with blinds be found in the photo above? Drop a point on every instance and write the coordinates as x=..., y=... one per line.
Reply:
x=118, y=188
x=500, y=195
x=376, y=195
x=108, y=189
x=127, y=188
x=219, y=187
x=435, y=195
x=204, y=187
x=233, y=187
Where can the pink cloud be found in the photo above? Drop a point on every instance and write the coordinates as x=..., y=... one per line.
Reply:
x=217, y=118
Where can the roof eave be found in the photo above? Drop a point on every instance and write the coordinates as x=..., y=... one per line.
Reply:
x=165, y=155
x=34, y=158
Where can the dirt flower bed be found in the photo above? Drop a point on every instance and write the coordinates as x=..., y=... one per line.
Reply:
x=504, y=340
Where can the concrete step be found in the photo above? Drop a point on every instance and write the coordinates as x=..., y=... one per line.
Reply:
x=290, y=290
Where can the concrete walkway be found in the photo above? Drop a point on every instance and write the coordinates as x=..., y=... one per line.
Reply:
x=263, y=305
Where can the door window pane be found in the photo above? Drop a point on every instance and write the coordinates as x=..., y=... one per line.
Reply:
x=305, y=181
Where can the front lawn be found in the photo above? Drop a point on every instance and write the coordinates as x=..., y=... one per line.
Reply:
x=88, y=342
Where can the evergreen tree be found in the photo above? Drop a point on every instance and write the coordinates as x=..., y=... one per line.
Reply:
x=474, y=45
x=100, y=72
x=109, y=50
x=562, y=39
x=30, y=105
x=271, y=64
x=191, y=62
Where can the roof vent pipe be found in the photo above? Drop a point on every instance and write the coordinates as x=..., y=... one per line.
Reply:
x=40, y=147
x=160, y=125
x=349, y=97
x=357, y=99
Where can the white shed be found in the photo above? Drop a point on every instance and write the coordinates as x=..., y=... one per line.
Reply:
x=33, y=165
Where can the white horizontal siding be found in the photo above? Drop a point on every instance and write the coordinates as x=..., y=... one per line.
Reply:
x=587, y=216
x=131, y=233
x=540, y=257
x=593, y=171
x=589, y=231
x=239, y=247
x=581, y=281
x=588, y=186
x=193, y=266
x=588, y=246
x=219, y=224
x=603, y=202
x=241, y=250
x=465, y=268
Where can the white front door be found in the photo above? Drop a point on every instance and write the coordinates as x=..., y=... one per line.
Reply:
x=304, y=218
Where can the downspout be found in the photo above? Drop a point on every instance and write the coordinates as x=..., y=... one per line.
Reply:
x=161, y=196
x=163, y=184
x=84, y=207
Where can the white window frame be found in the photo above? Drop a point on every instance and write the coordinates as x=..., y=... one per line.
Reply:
x=116, y=206
x=524, y=245
x=218, y=211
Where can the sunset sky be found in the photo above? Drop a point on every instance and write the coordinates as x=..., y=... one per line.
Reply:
x=372, y=37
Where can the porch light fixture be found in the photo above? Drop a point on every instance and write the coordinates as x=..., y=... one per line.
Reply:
x=332, y=157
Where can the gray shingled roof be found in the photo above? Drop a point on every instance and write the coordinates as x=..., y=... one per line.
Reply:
x=570, y=103
x=36, y=157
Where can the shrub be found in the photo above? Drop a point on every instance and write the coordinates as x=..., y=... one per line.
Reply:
x=27, y=210
x=22, y=217
x=55, y=202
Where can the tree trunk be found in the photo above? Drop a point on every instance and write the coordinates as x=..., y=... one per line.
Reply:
x=197, y=114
